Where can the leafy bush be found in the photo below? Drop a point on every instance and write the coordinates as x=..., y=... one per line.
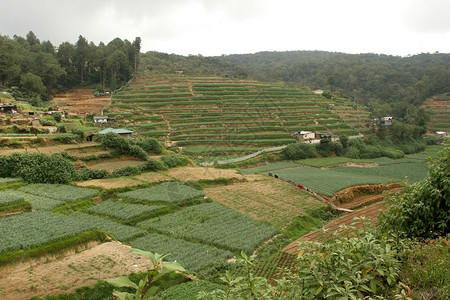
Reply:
x=352, y=152
x=37, y=167
x=150, y=145
x=299, y=151
x=171, y=160
x=87, y=174
x=421, y=211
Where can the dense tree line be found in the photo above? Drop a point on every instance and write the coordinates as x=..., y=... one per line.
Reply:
x=162, y=63
x=395, y=84
x=39, y=69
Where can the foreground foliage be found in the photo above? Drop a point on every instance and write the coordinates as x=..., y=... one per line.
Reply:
x=422, y=211
x=145, y=288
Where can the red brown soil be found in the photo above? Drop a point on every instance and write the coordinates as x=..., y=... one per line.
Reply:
x=370, y=212
x=64, y=274
x=81, y=102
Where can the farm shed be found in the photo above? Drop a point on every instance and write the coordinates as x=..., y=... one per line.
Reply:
x=121, y=131
x=319, y=92
x=304, y=135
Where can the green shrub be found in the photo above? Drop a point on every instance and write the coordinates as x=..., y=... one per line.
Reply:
x=37, y=167
x=299, y=151
x=352, y=152
x=171, y=160
x=421, y=211
x=87, y=174
x=150, y=145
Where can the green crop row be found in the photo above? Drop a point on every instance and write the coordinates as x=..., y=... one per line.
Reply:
x=119, y=231
x=192, y=256
x=124, y=211
x=213, y=224
x=270, y=167
x=268, y=142
x=61, y=192
x=233, y=136
x=37, y=228
x=212, y=149
x=9, y=197
x=328, y=182
x=168, y=192
x=39, y=202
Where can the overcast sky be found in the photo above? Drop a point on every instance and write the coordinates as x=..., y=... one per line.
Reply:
x=216, y=27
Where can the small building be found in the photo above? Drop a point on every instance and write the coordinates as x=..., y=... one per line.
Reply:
x=326, y=135
x=121, y=131
x=304, y=135
x=7, y=108
x=386, y=121
x=179, y=72
x=103, y=119
x=319, y=92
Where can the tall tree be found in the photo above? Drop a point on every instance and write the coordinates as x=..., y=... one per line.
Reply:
x=81, y=56
x=137, y=54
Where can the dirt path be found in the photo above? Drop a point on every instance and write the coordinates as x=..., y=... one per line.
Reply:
x=65, y=274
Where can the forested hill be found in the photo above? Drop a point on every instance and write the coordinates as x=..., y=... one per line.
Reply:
x=369, y=79
x=162, y=63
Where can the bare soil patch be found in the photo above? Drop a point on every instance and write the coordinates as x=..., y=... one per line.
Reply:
x=197, y=173
x=82, y=102
x=112, y=183
x=115, y=163
x=65, y=274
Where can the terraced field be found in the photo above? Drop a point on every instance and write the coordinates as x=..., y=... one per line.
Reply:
x=439, y=109
x=220, y=114
x=357, y=119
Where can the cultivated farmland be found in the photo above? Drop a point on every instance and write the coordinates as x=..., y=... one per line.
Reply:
x=61, y=192
x=221, y=114
x=33, y=229
x=168, y=192
x=213, y=224
x=268, y=200
x=192, y=256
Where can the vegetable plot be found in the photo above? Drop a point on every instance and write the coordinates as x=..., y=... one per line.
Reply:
x=37, y=228
x=168, y=192
x=61, y=192
x=119, y=231
x=124, y=211
x=192, y=256
x=213, y=224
